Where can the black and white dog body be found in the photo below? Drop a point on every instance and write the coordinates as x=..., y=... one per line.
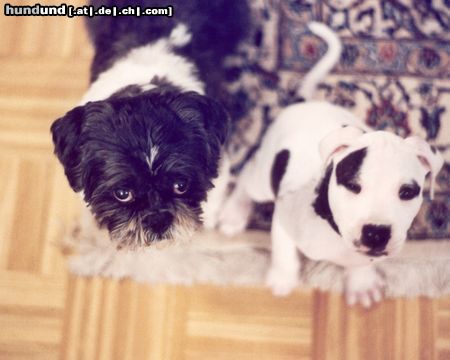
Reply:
x=343, y=193
x=145, y=144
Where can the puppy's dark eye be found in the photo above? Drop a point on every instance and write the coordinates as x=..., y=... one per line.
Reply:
x=123, y=195
x=180, y=186
x=353, y=187
x=408, y=191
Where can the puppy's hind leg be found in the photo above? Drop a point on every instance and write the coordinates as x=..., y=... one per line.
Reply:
x=283, y=275
x=253, y=185
x=236, y=211
x=216, y=196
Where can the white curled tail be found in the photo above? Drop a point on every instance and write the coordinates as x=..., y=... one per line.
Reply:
x=324, y=66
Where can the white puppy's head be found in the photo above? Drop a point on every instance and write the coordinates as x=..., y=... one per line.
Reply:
x=373, y=187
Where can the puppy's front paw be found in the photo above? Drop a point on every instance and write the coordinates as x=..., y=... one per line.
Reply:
x=364, y=286
x=281, y=282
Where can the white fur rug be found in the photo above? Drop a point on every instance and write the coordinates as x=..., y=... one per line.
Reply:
x=423, y=268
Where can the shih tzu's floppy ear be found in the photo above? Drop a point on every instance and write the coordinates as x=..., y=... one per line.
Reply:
x=66, y=132
x=191, y=106
x=68, y=139
x=337, y=141
x=431, y=159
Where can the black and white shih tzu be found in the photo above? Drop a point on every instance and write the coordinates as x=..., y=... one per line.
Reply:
x=144, y=146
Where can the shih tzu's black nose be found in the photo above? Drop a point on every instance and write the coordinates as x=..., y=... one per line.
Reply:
x=158, y=221
x=375, y=237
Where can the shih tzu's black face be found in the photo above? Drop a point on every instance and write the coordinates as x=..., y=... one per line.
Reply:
x=145, y=163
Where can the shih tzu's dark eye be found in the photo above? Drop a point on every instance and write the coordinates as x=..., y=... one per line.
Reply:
x=408, y=191
x=353, y=187
x=123, y=195
x=180, y=186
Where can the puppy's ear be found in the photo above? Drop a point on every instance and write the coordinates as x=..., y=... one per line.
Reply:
x=192, y=106
x=429, y=156
x=66, y=133
x=338, y=140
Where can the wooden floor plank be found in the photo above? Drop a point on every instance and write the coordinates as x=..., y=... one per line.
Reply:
x=35, y=200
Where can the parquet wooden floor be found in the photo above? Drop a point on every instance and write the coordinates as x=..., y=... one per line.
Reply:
x=44, y=62
x=45, y=314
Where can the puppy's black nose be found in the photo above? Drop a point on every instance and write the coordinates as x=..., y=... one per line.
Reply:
x=375, y=237
x=158, y=221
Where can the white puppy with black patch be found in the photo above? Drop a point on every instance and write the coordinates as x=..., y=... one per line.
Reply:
x=342, y=193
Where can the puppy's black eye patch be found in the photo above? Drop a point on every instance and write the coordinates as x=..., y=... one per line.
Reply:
x=347, y=170
x=409, y=191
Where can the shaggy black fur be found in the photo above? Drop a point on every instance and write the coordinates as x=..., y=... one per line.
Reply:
x=216, y=26
x=105, y=146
